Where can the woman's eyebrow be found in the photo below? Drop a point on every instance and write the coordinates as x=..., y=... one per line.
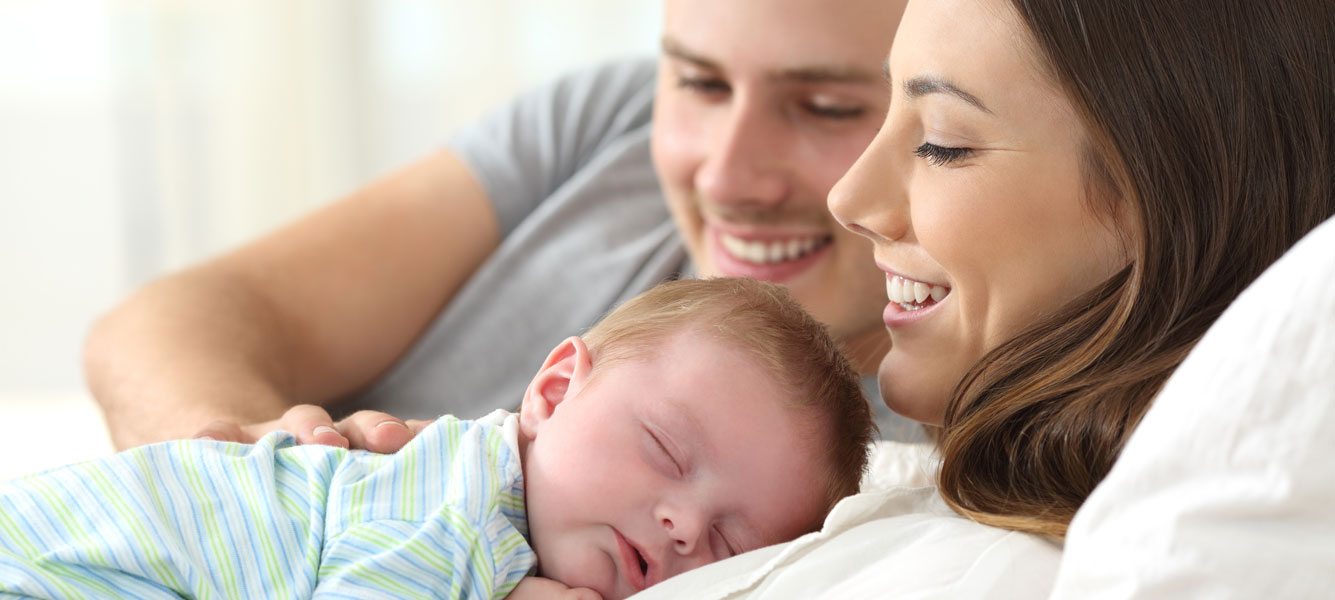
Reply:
x=929, y=84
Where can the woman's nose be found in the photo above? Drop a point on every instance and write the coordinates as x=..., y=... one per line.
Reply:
x=745, y=164
x=869, y=199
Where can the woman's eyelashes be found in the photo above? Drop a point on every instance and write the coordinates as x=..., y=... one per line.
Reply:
x=940, y=155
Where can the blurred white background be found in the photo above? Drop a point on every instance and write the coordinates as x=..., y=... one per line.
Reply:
x=138, y=136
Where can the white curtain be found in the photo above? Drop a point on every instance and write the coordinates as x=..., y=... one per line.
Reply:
x=138, y=136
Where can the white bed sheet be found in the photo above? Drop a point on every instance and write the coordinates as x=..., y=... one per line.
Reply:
x=897, y=539
x=43, y=431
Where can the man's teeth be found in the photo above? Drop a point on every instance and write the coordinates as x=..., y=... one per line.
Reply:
x=760, y=253
x=912, y=294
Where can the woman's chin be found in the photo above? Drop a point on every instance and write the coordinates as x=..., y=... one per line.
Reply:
x=909, y=393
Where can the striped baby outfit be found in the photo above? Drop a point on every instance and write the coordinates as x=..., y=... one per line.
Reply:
x=442, y=518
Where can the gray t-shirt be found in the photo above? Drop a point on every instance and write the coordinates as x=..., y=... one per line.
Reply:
x=585, y=227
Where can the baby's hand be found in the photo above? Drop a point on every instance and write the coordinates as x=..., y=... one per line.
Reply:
x=540, y=588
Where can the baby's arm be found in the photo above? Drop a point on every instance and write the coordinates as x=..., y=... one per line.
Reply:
x=540, y=588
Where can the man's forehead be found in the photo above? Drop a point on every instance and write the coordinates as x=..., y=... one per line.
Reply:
x=808, y=71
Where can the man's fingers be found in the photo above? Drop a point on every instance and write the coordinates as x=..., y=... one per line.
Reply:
x=376, y=431
x=223, y=431
x=312, y=425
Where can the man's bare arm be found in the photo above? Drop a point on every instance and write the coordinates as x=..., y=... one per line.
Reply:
x=305, y=315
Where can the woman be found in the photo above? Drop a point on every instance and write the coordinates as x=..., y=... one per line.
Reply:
x=1081, y=187
x=1063, y=197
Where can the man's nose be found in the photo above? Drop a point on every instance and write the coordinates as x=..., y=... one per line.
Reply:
x=745, y=166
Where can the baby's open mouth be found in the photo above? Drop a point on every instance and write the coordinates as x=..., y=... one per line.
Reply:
x=644, y=565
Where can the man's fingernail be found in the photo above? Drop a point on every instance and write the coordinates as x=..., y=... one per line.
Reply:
x=323, y=429
x=384, y=423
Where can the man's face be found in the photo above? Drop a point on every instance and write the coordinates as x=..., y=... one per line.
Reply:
x=666, y=463
x=761, y=108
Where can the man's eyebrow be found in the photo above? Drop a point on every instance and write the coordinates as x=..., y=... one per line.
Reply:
x=677, y=50
x=806, y=74
x=927, y=84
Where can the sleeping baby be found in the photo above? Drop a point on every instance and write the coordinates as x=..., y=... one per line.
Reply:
x=702, y=419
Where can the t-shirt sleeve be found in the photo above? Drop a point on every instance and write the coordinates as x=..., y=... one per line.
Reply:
x=527, y=149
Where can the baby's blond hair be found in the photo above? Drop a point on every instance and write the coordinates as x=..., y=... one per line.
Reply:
x=762, y=319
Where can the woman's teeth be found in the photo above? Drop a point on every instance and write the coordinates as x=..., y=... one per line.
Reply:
x=766, y=252
x=913, y=295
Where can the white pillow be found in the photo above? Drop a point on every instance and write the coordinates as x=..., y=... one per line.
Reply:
x=1227, y=488
x=891, y=541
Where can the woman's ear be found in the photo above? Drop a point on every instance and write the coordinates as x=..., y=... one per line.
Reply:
x=565, y=371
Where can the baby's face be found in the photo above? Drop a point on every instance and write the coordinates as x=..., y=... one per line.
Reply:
x=662, y=465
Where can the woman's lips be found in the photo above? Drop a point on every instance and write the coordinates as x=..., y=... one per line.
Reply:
x=895, y=315
x=910, y=300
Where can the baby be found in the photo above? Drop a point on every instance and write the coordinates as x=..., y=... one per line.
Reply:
x=702, y=419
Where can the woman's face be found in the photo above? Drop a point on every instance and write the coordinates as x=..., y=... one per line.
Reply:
x=761, y=106
x=973, y=196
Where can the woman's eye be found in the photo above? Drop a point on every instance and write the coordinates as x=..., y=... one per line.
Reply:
x=703, y=85
x=940, y=155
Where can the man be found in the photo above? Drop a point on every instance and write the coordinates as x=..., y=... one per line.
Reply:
x=419, y=294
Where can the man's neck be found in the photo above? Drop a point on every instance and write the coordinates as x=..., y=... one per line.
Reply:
x=865, y=350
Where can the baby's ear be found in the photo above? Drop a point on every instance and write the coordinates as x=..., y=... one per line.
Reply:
x=565, y=371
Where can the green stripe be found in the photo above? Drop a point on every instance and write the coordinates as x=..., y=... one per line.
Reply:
x=155, y=494
x=366, y=571
x=31, y=552
x=81, y=536
x=256, y=510
x=410, y=476
x=129, y=521
x=512, y=501
x=479, y=560
x=228, y=570
x=505, y=590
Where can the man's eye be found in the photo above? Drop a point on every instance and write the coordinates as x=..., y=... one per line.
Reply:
x=940, y=155
x=704, y=85
x=836, y=112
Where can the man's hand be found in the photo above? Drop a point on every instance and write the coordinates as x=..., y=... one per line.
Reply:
x=310, y=424
x=541, y=588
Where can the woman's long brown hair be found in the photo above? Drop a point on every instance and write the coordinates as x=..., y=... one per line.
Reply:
x=1213, y=123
